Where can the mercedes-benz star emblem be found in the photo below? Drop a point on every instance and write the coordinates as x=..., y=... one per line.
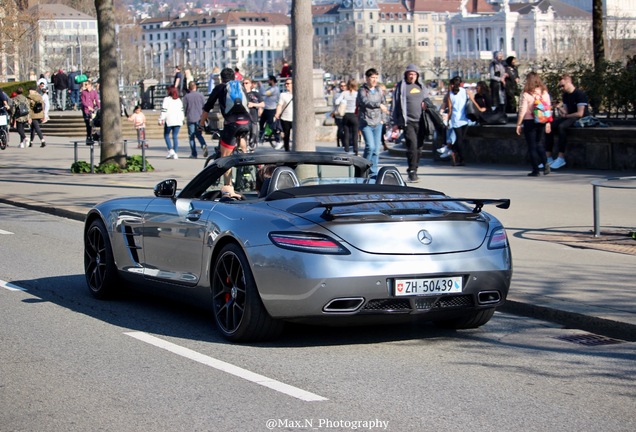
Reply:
x=424, y=237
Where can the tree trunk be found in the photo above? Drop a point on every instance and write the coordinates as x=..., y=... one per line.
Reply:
x=304, y=112
x=112, y=147
x=598, y=39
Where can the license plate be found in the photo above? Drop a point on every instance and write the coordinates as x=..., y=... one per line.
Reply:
x=3, y=120
x=432, y=286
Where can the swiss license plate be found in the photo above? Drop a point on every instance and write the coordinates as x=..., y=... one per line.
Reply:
x=432, y=286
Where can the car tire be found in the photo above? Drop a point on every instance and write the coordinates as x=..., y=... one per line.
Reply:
x=238, y=310
x=101, y=273
x=472, y=320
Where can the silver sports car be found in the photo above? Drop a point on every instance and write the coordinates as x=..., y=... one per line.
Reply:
x=268, y=238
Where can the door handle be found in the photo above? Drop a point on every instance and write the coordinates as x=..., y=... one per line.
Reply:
x=194, y=215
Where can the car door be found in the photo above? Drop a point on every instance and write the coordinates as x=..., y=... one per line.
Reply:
x=174, y=238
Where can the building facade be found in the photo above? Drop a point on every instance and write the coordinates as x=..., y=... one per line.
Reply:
x=253, y=42
x=64, y=37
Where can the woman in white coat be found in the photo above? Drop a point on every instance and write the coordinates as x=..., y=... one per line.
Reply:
x=171, y=118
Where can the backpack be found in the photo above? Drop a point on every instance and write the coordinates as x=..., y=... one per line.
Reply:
x=235, y=98
x=542, y=111
x=21, y=110
x=38, y=107
x=80, y=78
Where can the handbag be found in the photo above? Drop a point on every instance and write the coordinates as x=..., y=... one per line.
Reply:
x=276, y=126
x=472, y=112
x=342, y=108
x=493, y=118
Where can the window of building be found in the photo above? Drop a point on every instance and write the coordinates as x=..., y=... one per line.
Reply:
x=422, y=29
x=512, y=44
x=525, y=45
x=400, y=28
x=422, y=43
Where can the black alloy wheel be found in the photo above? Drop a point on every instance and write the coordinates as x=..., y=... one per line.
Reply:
x=99, y=264
x=238, y=310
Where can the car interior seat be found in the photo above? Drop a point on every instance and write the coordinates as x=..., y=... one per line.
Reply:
x=283, y=177
x=389, y=175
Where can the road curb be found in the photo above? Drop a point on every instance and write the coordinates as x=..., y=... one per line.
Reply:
x=600, y=326
x=44, y=208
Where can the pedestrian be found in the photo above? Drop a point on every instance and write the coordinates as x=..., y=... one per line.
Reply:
x=213, y=78
x=171, y=118
x=187, y=79
x=255, y=103
x=139, y=123
x=512, y=84
x=285, y=71
x=44, y=92
x=372, y=108
x=36, y=106
x=90, y=105
x=573, y=106
x=237, y=74
x=534, y=90
x=342, y=86
x=285, y=112
x=350, y=119
x=236, y=117
x=20, y=113
x=74, y=88
x=271, y=95
x=497, y=70
x=193, y=103
x=455, y=105
x=177, y=81
x=408, y=114
x=60, y=84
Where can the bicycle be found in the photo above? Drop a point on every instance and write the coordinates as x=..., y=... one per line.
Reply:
x=245, y=179
x=4, y=128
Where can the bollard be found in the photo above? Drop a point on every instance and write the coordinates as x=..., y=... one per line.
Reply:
x=126, y=148
x=143, y=158
x=75, y=151
x=92, y=157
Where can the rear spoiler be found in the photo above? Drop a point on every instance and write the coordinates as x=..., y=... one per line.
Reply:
x=304, y=207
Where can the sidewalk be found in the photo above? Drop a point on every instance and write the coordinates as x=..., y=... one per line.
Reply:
x=561, y=272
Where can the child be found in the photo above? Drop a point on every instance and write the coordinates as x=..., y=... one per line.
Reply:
x=139, y=122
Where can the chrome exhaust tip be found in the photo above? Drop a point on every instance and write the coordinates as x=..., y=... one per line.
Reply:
x=488, y=297
x=346, y=304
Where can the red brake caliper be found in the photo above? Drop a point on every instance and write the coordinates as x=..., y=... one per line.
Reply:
x=228, y=296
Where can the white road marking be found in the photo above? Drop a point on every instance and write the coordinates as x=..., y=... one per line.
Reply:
x=5, y=232
x=227, y=367
x=10, y=286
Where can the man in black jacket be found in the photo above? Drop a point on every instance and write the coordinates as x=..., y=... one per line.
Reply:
x=60, y=83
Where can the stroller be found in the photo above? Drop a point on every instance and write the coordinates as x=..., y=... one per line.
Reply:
x=96, y=125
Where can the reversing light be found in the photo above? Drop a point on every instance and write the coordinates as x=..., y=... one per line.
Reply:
x=498, y=239
x=310, y=243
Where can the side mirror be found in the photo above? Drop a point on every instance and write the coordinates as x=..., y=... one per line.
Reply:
x=166, y=189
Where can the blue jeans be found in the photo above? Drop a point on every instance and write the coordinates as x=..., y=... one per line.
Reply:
x=166, y=135
x=75, y=98
x=194, y=132
x=372, y=140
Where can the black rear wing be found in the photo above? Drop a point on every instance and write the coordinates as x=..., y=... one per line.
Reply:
x=304, y=207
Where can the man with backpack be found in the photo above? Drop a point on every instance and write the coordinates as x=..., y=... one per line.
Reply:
x=74, y=88
x=36, y=105
x=232, y=100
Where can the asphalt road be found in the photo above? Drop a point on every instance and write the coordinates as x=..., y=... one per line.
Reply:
x=144, y=363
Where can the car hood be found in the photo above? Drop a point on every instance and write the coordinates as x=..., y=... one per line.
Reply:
x=398, y=227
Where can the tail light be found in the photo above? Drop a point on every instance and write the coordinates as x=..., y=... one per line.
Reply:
x=498, y=239
x=308, y=242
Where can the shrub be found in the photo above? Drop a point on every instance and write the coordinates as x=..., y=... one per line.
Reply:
x=133, y=164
